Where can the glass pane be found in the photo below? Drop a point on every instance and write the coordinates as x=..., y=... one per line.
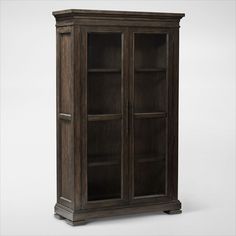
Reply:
x=104, y=50
x=150, y=73
x=150, y=156
x=150, y=51
x=104, y=183
x=150, y=92
x=104, y=93
x=104, y=97
x=104, y=73
x=104, y=160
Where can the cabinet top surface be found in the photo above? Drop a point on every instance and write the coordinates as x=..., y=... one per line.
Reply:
x=124, y=14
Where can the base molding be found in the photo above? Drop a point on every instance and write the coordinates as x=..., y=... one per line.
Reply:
x=81, y=217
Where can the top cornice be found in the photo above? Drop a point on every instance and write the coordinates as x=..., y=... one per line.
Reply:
x=126, y=15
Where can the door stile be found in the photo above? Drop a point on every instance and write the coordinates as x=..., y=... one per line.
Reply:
x=131, y=117
x=125, y=110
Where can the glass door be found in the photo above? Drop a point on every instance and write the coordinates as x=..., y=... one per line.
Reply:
x=106, y=116
x=149, y=115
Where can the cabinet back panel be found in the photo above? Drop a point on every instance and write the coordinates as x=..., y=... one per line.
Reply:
x=104, y=50
x=104, y=160
x=150, y=92
x=104, y=93
x=149, y=156
x=150, y=136
x=104, y=137
x=104, y=182
x=150, y=50
x=149, y=178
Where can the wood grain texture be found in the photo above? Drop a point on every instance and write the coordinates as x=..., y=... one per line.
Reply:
x=65, y=128
x=65, y=72
x=133, y=15
x=92, y=214
x=117, y=18
x=117, y=113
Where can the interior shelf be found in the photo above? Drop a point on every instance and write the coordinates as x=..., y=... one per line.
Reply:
x=104, y=70
x=150, y=70
x=142, y=115
x=103, y=160
x=104, y=117
x=153, y=157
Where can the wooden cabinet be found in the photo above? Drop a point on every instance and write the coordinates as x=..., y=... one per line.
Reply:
x=117, y=113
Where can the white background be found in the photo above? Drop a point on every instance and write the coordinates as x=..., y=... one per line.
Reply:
x=207, y=121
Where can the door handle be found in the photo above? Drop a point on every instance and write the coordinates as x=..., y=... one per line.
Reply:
x=65, y=116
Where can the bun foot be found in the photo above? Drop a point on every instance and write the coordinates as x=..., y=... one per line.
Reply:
x=173, y=212
x=75, y=223
x=59, y=217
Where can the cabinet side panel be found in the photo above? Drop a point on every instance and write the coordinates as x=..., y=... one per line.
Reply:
x=66, y=156
x=65, y=75
x=65, y=131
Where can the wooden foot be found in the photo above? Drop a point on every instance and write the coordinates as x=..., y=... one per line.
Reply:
x=173, y=212
x=75, y=223
x=58, y=217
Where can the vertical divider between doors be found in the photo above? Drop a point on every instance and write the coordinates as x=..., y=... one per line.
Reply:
x=168, y=75
x=125, y=116
x=131, y=121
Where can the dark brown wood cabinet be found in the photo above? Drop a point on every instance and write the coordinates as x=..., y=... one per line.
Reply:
x=117, y=113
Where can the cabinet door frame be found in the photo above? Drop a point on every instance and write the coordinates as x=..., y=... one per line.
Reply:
x=171, y=136
x=124, y=116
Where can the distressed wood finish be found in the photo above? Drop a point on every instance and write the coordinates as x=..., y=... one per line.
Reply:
x=117, y=113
